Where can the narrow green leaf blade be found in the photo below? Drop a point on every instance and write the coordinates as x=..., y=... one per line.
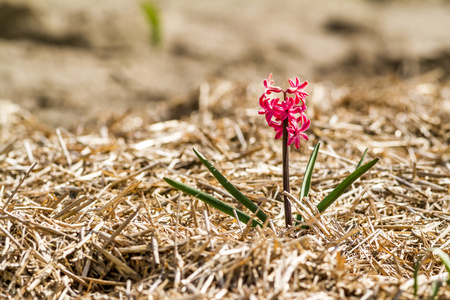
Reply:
x=416, y=274
x=435, y=286
x=152, y=14
x=342, y=187
x=362, y=159
x=214, y=202
x=232, y=189
x=444, y=258
x=306, y=183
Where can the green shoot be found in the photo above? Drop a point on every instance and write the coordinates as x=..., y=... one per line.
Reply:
x=306, y=183
x=416, y=274
x=444, y=258
x=152, y=14
x=214, y=202
x=342, y=187
x=362, y=159
x=435, y=286
x=232, y=189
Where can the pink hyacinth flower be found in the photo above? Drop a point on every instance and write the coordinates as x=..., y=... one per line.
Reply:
x=296, y=132
x=290, y=109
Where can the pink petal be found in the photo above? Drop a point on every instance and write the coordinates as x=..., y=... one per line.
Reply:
x=291, y=82
x=297, y=143
x=305, y=125
x=268, y=81
x=278, y=134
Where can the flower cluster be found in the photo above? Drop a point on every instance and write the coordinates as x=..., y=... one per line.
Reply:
x=292, y=108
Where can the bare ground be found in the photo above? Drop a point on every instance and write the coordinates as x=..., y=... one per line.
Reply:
x=68, y=63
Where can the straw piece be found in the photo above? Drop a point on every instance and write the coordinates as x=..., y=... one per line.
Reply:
x=69, y=207
x=63, y=147
x=122, y=226
x=72, y=275
x=134, y=174
x=119, y=197
x=122, y=267
x=103, y=282
x=155, y=250
x=11, y=237
x=22, y=265
x=5, y=206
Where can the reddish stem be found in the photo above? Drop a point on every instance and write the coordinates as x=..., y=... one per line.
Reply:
x=286, y=187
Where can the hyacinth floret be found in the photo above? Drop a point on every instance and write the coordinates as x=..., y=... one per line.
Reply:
x=292, y=108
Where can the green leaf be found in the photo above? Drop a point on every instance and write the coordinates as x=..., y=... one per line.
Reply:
x=232, y=189
x=214, y=202
x=362, y=158
x=152, y=14
x=444, y=258
x=435, y=286
x=306, y=183
x=342, y=187
x=416, y=274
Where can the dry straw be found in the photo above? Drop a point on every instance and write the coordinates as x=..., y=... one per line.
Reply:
x=94, y=217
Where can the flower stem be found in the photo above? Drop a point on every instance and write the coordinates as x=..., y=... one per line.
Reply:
x=286, y=188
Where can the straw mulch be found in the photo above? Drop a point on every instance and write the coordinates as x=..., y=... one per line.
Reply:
x=94, y=218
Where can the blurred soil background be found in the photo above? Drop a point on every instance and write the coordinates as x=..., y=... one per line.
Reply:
x=72, y=62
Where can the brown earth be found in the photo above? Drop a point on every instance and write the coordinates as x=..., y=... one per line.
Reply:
x=70, y=61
